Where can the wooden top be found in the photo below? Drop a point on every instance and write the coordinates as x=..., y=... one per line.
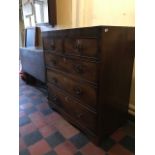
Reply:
x=91, y=31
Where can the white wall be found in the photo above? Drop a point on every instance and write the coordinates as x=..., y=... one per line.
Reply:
x=64, y=13
x=104, y=12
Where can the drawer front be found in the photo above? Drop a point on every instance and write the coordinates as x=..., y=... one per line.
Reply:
x=53, y=44
x=72, y=107
x=84, y=92
x=82, y=69
x=81, y=47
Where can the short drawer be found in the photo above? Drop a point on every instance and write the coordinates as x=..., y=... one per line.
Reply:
x=53, y=44
x=72, y=107
x=82, y=69
x=81, y=47
x=83, y=91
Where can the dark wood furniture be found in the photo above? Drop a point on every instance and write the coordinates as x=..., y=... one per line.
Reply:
x=52, y=12
x=88, y=73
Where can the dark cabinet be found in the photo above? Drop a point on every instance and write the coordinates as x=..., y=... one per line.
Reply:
x=88, y=73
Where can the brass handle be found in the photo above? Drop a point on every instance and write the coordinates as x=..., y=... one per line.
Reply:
x=79, y=68
x=67, y=98
x=78, y=46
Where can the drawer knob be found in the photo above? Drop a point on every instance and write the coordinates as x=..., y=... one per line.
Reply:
x=54, y=80
x=78, y=91
x=52, y=46
x=54, y=98
x=79, y=115
x=79, y=69
x=54, y=62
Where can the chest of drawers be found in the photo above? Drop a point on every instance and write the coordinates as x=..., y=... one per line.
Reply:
x=88, y=74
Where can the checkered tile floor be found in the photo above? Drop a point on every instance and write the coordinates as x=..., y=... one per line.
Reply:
x=44, y=132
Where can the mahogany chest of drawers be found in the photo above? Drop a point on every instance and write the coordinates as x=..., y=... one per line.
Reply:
x=88, y=74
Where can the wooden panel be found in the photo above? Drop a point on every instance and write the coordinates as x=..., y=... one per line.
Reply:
x=52, y=12
x=76, y=87
x=87, y=32
x=117, y=47
x=71, y=106
x=82, y=69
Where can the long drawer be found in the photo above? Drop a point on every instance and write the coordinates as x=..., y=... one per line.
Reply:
x=81, y=47
x=82, y=69
x=71, y=106
x=77, y=88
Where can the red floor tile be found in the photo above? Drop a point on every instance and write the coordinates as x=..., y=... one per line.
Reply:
x=91, y=149
x=37, y=115
x=118, y=135
x=52, y=118
x=42, y=106
x=26, y=129
x=54, y=128
x=47, y=130
x=119, y=150
x=61, y=122
x=37, y=119
x=66, y=148
x=22, y=144
x=39, y=148
x=34, y=97
x=66, y=129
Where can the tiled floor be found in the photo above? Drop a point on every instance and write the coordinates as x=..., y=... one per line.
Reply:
x=44, y=132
